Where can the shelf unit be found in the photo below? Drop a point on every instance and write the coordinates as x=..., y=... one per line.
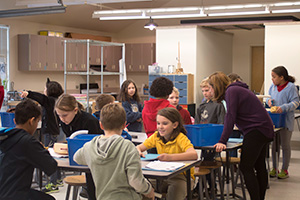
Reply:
x=88, y=73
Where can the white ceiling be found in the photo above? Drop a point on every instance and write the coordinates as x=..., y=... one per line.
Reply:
x=80, y=16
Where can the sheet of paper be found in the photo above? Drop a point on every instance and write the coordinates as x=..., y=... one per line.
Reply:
x=150, y=157
x=163, y=166
x=56, y=155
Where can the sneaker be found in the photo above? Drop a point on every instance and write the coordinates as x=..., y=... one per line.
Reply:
x=60, y=183
x=273, y=173
x=50, y=188
x=84, y=193
x=283, y=174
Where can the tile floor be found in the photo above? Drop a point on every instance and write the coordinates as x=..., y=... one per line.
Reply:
x=279, y=189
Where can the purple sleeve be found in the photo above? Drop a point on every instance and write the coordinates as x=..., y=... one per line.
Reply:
x=230, y=117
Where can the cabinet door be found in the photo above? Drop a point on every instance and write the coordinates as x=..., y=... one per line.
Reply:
x=37, y=54
x=117, y=55
x=81, y=55
x=137, y=57
x=95, y=55
x=128, y=57
x=147, y=56
x=71, y=56
x=54, y=54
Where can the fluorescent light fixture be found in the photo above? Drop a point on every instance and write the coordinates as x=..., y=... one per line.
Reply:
x=250, y=9
x=41, y=3
x=285, y=8
x=239, y=13
x=32, y=11
x=188, y=12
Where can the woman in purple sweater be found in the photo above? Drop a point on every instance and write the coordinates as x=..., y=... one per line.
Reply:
x=247, y=112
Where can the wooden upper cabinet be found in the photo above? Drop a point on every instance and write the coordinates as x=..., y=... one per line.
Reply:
x=40, y=53
x=128, y=57
x=71, y=57
x=148, y=56
x=138, y=56
x=81, y=56
x=95, y=55
x=55, y=54
x=32, y=53
x=111, y=56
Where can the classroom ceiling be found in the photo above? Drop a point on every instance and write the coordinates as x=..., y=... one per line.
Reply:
x=80, y=16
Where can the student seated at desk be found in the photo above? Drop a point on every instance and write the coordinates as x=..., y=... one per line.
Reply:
x=73, y=119
x=172, y=143
x=113, y=161
x=20, y=153
x=101, y=101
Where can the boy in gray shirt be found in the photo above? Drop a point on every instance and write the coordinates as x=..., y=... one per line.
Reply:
x=114, y=162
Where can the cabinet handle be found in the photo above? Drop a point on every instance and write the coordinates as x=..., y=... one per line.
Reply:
x=130, y=67
x=114, y=66
x=140, y=66
x=98, y=60
x=55, y=65
x=40, y=65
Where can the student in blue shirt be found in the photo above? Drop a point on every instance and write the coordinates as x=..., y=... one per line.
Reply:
x=283, y=95
x=130, y=99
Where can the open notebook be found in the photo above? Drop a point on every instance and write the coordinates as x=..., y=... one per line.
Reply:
x=163, y=166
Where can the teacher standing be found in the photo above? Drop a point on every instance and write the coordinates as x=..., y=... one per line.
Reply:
x=246, y=111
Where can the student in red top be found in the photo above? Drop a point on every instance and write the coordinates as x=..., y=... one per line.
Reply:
x=161, y=88
x=174, y=101
x=1, y=93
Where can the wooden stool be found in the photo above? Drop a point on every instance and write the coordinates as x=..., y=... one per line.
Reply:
x=75, y=181
x=215, y=169
x=201, y=173
x=234, y=161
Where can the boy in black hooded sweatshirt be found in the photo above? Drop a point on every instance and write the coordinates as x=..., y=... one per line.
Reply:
x=20, y=153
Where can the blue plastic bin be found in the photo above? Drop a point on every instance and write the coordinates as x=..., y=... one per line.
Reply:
x=204, y=134
x=76, y=143
x=278, y=119
x=7, y=119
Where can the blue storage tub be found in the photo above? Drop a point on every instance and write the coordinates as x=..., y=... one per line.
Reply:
x=76, y=143
x=204, y=134
x=7, y=119
x=278, y=119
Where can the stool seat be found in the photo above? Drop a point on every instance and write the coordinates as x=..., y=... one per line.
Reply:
x=200, y=172
x=232, y=160
x=209, y=165
x=77, y=180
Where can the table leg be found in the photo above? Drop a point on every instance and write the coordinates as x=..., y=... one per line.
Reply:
x=188, y=184
x=227, y=174
x=277, y=149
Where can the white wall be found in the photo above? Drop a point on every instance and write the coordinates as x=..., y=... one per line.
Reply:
x=243, y=40
x=214, y=53
x=202, y=52
x=282, y=47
